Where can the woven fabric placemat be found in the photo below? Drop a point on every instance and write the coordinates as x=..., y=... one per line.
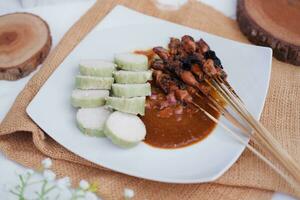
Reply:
x=249, y=178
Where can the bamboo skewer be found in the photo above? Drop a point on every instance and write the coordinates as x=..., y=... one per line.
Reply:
x=219, y=108
x=261, y=133
x=290, y=180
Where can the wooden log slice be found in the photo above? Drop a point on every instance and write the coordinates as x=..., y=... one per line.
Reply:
x=25, y=42
x=275, y=24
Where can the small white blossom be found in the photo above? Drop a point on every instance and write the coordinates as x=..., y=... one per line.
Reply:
x=29, y=171
x=63, y=183
x=47, y=163
x=90, y=196
x=83, y=184
x=128, y=193
x=49, y=175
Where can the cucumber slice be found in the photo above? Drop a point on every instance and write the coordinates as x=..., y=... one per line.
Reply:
x=123, y=76
x=88, y=98
x=97, y=68
x=90, y=82
x=135, y=105
x=131, y=61
x=131, y=90
x=125, y=130
x=91, y=121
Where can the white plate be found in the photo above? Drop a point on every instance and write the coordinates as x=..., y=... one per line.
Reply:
x=249, y=72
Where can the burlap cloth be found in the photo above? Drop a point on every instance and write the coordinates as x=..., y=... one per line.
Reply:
x=22, y=140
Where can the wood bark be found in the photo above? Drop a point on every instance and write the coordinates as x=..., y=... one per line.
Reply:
x=274, y=24
x=25, y=41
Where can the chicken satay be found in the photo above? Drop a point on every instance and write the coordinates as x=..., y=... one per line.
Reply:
x=174, y=44
x=188, y=78
x=221, y=73
x=212, y=55
x=183, y=96
x=202, y=46
x=164, y=81
x=162, y=53
x=170, y=87
x=188, y=44
x=197, y=57
x=197, y=72
x=157, y=64
x=209, y=68
x=191, y=90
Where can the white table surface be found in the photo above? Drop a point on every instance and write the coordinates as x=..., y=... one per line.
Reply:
x=9, y=90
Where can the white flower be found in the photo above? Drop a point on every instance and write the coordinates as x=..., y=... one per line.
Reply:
x=47, y=163
x=90, y=196
x=128, y=193
x=83, y=184
x=29, y=171
x=49, y=175
x=63, y=183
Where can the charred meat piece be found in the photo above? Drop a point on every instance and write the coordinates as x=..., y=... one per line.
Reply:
x=198, y=72
x=212, y=55
x=221, y=73
x=205, y=89
x=188, y=78
x=202, y=46
x=181, y=53
x=191, y=59
x=157, y=73
x=162, y=53
x=170, y=87
x=209, y=68
x=174, y=45
x=188, y=44
x=183, y=96
x=164, y=81
x=174, y=66
x=158, y=64
x=198, y=57
x=191, y=90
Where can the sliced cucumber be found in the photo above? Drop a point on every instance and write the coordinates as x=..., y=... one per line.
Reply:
x=125, y=130
x=131, y=90
x=90, y=82
x=131, y=61
x=123, y=76
x=135, y=105
x=96, y=68
x=88, y=98
x=91, y=120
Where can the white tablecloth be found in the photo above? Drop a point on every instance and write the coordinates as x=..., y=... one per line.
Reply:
x=9, y=90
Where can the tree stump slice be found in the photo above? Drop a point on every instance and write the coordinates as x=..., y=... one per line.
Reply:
x=274, y=24
x=25, y=41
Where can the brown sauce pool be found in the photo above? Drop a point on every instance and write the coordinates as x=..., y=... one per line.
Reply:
x=176, y=126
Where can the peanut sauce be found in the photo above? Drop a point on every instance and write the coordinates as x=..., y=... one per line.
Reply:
x=174, y=126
